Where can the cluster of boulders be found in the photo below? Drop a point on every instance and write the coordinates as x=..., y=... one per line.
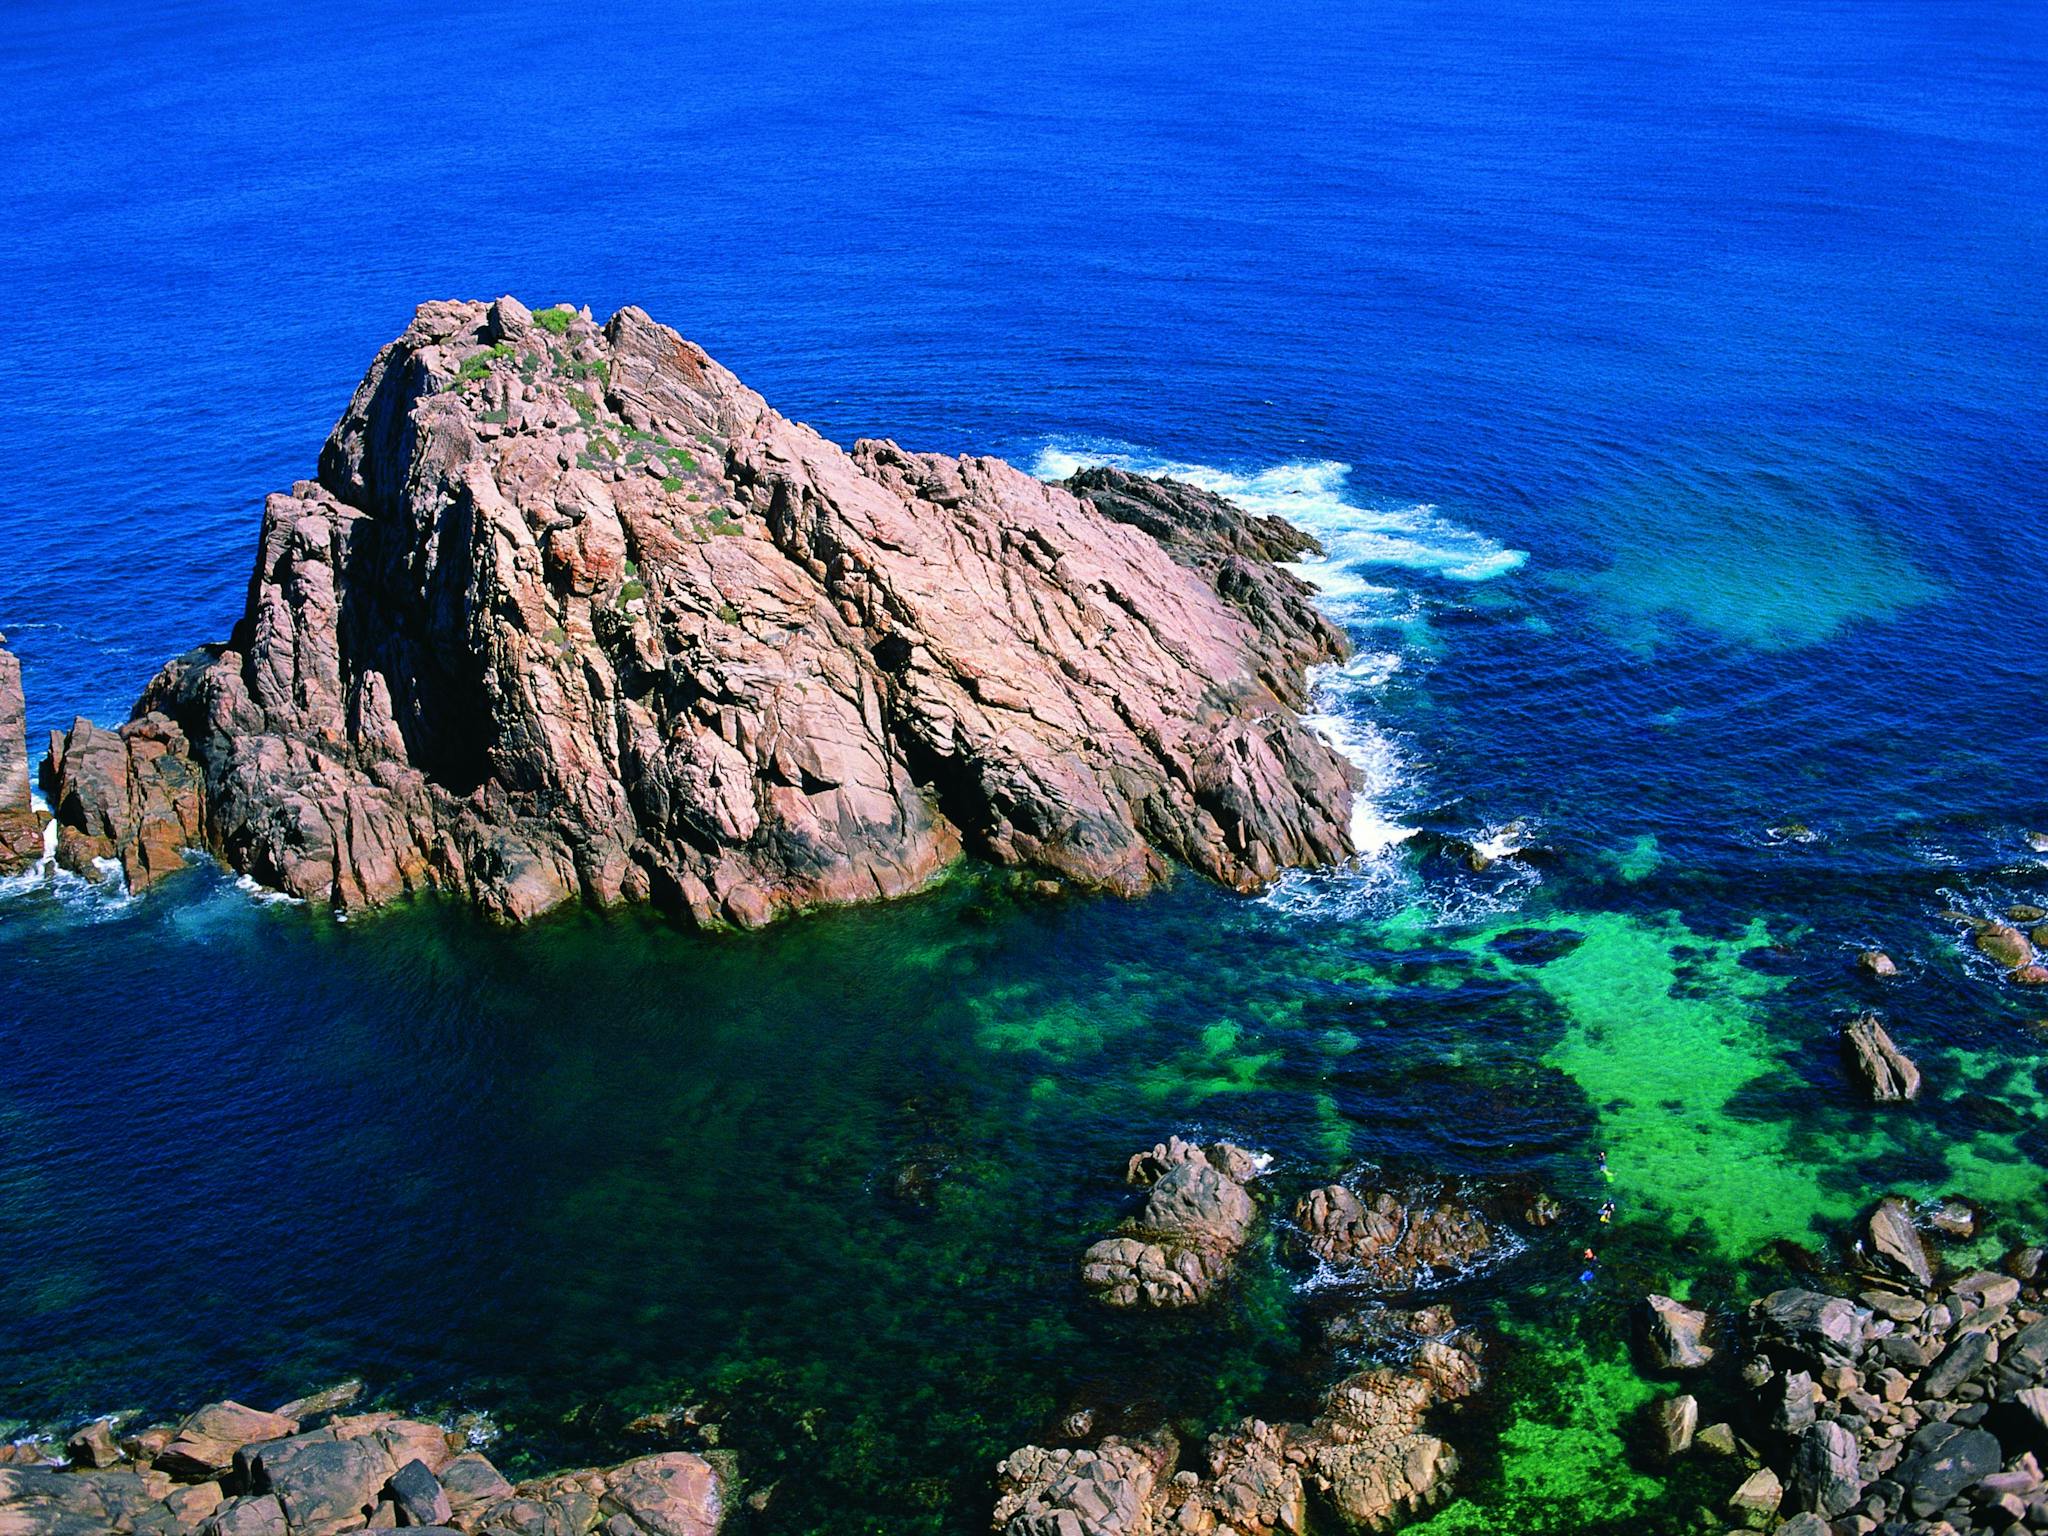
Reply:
x=1199, y=1213
x=2005, y=945
x=1365, y=1460
x=311, y=1469
x=21, y=826
x=1908, y=1404
x=1394, y=1240
x=572, y=613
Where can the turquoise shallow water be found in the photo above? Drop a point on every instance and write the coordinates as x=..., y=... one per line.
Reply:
x=1667, y=388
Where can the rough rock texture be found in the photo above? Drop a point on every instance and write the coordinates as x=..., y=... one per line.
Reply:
x=571, y=612
x=1886, y=1070
x=1181, y=1245
x=1394, y=1240
x=228, y=1470
x=1675, y=1335
x=1364, y=1462
x=1923, y=1413
x=1895, y=1246
x=21, y=829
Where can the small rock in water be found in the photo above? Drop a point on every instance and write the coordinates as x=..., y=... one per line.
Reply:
x=2026, y=914
x=2029, y=976
x=1889, y=1072
x=2004, y=946
x=1896, y=1244
x=1876, y=962
x=1953, y=1217
x=2038, y=841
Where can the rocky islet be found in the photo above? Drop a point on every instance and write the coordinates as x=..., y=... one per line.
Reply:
x=571, y=613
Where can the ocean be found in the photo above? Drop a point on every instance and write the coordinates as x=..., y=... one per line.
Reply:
x=1668, y=384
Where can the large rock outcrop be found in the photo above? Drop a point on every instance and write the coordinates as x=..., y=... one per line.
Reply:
x=21, y=829
x=570, y=611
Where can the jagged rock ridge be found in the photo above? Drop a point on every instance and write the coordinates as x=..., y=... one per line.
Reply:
x=570, y=611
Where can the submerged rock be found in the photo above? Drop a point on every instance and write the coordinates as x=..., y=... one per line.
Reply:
x=21, y=828
x=570, y=612
x=1182, y=1243
x=1393, y=1240
x=1888, y=1072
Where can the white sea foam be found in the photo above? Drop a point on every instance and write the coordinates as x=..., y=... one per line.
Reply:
x=1363, y=545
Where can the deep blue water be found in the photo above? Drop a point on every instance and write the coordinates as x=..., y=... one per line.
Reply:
x=1668, y=380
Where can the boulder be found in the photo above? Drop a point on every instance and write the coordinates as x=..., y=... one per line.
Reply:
x=325, y=1485
x=1808, y=1325
x=1182, y=1243
x=254, y=1515
x=1756, y=1502
x=1793, y=1403
x=2004, y=946
x=1826, y=1479
x=1895, y=1244
x=1986, y=1290
x=418, y=1496
x=1886, y=1071
x=93, y=1445
x=674, y=1493
x=1394, y=1240
x=206, y=1441
x=1941, y=1461
x=1967, y=1354
x=472, y=1484
x=318, y=1405
x=579, y=616
x=1678, y=1420
x=1675, y=1335
x=1104, y=1492
x=21, y=827
x=1875, y=962
x=1367, y=1458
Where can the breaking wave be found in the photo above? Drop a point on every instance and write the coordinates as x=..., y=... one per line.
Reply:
x=1363, y=543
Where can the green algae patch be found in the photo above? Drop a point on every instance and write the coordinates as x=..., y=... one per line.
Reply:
x=1639, y=860
x=1663, y=1033
x=1563, y=1451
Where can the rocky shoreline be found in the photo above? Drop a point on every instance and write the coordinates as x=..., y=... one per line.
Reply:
x=310, y=1468
x=570, y=613
x=1899, y=1395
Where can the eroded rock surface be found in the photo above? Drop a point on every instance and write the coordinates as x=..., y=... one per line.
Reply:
x=1394, y=1240
x=21, y=829
x=571, y=612
x=1182, y=1243
x=1886, y=1071
x=230, y=1470
x=1364, y=1462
